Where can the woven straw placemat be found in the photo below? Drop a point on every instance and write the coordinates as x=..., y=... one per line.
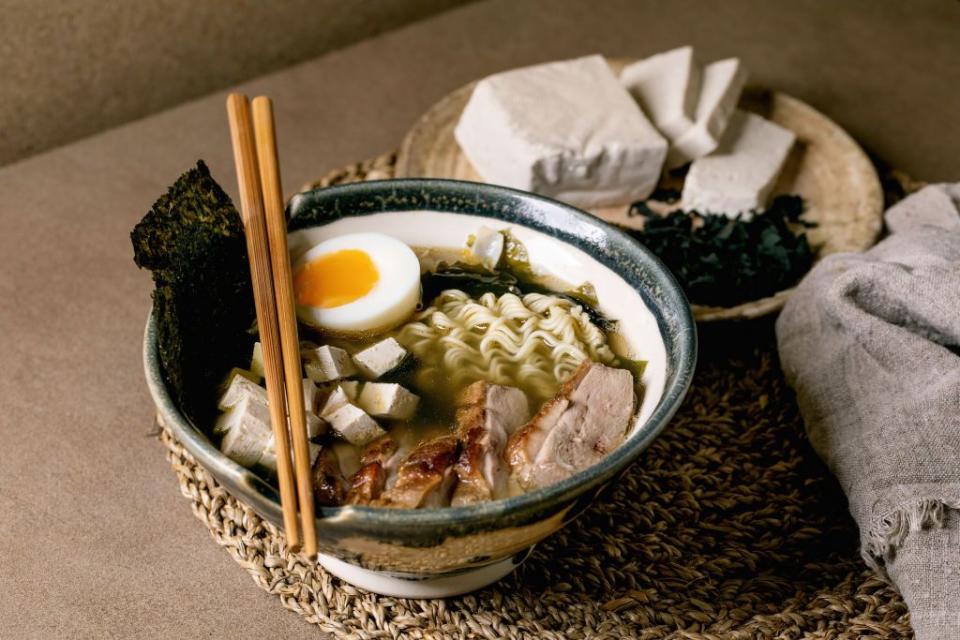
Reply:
x=728, y=526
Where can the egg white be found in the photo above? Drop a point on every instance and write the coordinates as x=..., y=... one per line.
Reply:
x=392, y=299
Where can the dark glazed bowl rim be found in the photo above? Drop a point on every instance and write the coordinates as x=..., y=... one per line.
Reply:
x=604, y=242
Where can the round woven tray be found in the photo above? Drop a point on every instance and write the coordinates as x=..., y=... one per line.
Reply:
x=727, y=527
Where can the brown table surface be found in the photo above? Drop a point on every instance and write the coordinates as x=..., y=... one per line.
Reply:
x=94, y=539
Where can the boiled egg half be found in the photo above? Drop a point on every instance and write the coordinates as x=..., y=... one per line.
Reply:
x=357, y=284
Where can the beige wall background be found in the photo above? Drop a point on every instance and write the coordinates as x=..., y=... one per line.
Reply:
x=70, y=68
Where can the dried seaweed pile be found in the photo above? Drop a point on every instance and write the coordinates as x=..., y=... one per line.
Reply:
x=721, y=261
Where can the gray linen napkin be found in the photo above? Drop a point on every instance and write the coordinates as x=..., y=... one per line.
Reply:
x=871, y=344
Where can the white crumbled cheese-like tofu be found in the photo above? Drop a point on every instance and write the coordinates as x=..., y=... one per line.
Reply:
x=354, y=425
x=248, y=407
x=343, y=393
x=379, y=359
x=738, y=176
x=567, y=129
x=256, y=361
x=247, y=436
x=667, y=86
x=329, y=363
x=241, y=387
x=720, y=88
x=386, y=400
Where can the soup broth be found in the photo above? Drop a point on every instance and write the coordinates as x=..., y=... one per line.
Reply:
x=517, y=382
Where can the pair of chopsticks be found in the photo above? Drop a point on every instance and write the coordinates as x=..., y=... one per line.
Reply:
x=261, y=203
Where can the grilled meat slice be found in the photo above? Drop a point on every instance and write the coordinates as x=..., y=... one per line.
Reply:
x=487, y=416
x=380, y=459
x=586, y=420
x=426, y=478
x=329, y=485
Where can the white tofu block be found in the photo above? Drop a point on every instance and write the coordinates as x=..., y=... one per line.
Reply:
x=344, y=393
x=351, y=388
x=381, y=358
x=720, y=89
x=354, y=425
x=247, y=436
x=667, y=86
x=739, y=176
x=487, y=247
x=316, y=426
x=568, y=130
x=390, y=401
x=256, y=361
x=247, y=407
x=269, y=458
x=310, y=395
x=239, y=388
x=329, y=363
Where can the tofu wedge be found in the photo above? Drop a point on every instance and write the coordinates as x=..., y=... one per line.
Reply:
x=667, y=86
x=720, y=89
x=327, y=363
x=247, y=432
x=388, y=400
x=738, y=177
x=377, y=360
x=566, y=129
x=354, y=425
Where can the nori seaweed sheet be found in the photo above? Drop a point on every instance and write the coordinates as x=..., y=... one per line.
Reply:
x=192, y=241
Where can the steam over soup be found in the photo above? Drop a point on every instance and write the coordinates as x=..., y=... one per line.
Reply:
x=438, y=377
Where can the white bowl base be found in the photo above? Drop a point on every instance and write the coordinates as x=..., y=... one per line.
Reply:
x=401, y=585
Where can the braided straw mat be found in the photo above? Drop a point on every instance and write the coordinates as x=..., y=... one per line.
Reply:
x=728, y=526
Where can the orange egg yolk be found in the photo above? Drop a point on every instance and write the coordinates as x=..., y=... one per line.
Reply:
x=335, y=279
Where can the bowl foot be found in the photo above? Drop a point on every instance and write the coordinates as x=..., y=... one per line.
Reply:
x=409, y=585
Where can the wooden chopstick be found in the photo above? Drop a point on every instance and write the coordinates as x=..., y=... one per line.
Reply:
x=263, y=128
x=251, y=206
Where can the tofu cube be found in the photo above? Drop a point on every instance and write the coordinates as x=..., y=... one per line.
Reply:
x=343, y=393
x=269, y=458
x=390, y=401
x=351, y=388
x=381, y=358
x=487, y=247
x=720, y=89
x=240, y=387
x=310, y=395
x=667, y=86
x=316, y=426
x=256, y=361
x=739, y=176
x=354, y=425
x=567, y=129
x=329, y=363
x=247, y=435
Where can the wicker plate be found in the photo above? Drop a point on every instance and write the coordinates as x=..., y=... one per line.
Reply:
x=827, y=167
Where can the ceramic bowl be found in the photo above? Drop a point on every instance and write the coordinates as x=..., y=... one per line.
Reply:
x=443, y=552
